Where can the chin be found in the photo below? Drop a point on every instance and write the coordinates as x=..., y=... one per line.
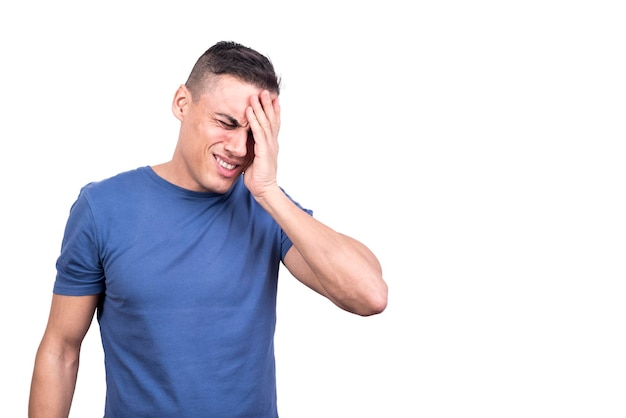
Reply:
x=220, y=187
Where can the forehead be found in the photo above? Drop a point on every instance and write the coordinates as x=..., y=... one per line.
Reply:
x=229, y=95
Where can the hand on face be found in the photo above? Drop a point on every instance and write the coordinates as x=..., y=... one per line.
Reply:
x=263, y=115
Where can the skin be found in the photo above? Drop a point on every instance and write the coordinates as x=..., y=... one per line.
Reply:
x=214, y=147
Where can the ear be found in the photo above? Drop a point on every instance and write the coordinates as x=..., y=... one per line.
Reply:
x=181, y=102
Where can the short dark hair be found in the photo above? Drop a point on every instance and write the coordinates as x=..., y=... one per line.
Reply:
x=231, y=58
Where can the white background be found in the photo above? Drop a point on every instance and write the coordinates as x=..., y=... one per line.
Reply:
x=476, y=147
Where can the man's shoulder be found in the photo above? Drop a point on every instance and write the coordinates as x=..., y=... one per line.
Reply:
x=117, y=180
x=122, y=183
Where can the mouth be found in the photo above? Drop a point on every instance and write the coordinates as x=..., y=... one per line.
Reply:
x=224, y=164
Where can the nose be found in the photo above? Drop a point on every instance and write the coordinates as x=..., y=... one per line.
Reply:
x=236, y=144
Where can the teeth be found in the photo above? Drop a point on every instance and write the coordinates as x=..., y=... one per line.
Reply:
x=225, y=164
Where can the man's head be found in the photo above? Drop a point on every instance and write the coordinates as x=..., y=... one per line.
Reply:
x=215, y=143
x=231, y=58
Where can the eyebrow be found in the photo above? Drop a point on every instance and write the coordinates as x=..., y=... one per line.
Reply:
x=232, y=120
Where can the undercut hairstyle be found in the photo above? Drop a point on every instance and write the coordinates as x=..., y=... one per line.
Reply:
x=231, y=58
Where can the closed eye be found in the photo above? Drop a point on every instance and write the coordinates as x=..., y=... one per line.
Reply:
x=226, y=125
x=232, y=122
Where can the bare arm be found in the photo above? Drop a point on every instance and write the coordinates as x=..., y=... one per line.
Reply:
x=333, y=264
x=56, y=362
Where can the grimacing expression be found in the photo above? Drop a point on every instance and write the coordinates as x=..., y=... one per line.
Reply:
x=215, y=144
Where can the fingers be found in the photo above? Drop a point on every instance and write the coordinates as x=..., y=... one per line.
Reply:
x=263, y=117
x=264, y=112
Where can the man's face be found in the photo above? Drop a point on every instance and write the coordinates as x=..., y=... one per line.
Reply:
x=215, y=143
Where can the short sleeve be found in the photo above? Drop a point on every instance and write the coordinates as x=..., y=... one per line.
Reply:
x=79, y=269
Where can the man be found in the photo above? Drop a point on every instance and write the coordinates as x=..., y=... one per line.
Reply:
x=180, y=260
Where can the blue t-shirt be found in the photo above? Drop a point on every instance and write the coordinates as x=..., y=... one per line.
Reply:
x=188, y=283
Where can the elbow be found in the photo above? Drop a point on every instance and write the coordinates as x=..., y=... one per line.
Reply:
x=375, y=302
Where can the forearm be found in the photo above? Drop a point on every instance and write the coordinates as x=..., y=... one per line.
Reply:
x=348, y=273
x=53, y=383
